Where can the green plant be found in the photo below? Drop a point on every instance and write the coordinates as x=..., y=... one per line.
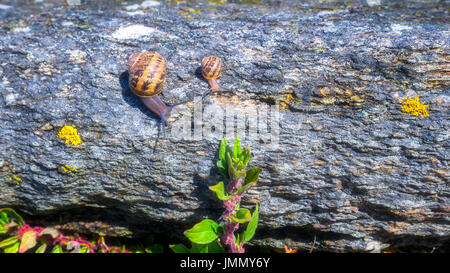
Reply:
x=209, y=236
x=17, y=236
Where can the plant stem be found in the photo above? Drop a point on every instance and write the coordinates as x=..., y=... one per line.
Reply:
x=230, y=207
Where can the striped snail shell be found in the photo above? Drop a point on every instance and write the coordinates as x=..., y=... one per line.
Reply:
x=147, y=72
x=211, y=67
x=211, y=70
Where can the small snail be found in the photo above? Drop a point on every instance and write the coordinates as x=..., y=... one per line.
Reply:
x=211, y=70
x=147, y=72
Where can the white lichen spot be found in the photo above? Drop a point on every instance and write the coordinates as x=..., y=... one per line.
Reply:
x=372, y=3
x=73, y=2
x=149, y=4
x=77, y=56
x=137, y=12
x=132, y=7
x=11, y=98
x=2, y=6
x=132, y=32
x=397, y=28
x=67, y=24
x=144, y=5
x=22, y=29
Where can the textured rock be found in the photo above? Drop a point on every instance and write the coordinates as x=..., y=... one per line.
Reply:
x=350, y=169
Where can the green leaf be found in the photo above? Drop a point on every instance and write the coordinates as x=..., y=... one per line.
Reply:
x=3, y=229
x=57, y=249
x=242, y=216
x=247, y=156
x=242, y=155
x=222, y=150
x=243, y=188
x=215, y=247
x=13, y=214
x=240, y=165
x=199, y=248
x=9, y=241
x=83, y=249
x=28, y=241
x=12, y=248
x=223, y=170
x=204, y=232
x=251, y=227
x=179, y=248
x=230, y=165
x=219, y=189
x=252, y=175
x=41, y=249
x=232, y=171
x=4, y=217
x=236, y=149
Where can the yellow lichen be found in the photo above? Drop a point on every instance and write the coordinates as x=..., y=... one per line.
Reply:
x=287, y=99
x=67, y=168
x=16, y=179
x=415, y=107
x=70, y=134
x=190, y=11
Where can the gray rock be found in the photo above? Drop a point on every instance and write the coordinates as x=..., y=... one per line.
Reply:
x=350, y=169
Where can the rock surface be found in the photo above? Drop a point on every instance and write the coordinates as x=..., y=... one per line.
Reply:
x=350, y=170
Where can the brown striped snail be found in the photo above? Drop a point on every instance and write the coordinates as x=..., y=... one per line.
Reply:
x=211, y=70
x=147, y=72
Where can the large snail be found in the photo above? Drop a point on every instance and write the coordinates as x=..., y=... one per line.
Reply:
x=147, y=72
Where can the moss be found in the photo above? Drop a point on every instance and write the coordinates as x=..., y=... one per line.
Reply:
x=415, y=107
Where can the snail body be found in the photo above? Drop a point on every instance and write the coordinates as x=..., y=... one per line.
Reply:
x=147, y=72
x=211, y=70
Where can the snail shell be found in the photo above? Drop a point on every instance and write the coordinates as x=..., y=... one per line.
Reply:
x=147, y=72
x=211, y=67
